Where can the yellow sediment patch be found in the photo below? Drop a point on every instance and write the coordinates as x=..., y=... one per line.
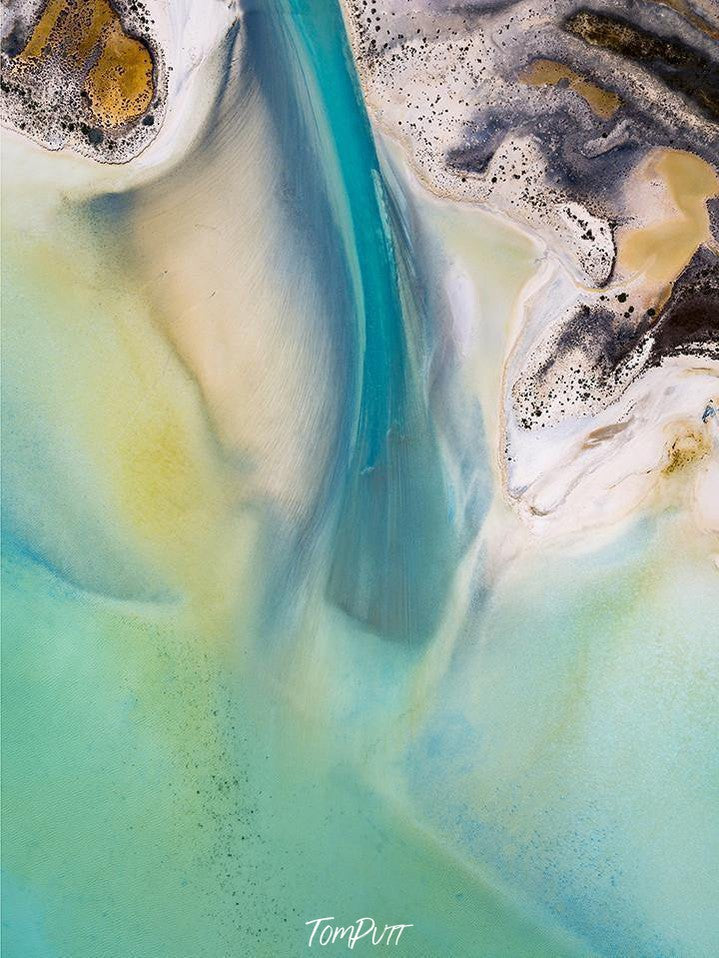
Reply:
x=120, y=83
x=44, y=28
x=661, y=250
x=684, y=450
x=87, y=37
x=550, y=72
x=69, y=29
x=160, y=478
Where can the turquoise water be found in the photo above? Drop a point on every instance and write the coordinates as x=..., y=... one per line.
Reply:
x=154, y=807
x=178, y=783
x=395, y=544
x=316, y=41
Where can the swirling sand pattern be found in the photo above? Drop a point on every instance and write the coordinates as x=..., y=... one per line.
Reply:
x=360, y=443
